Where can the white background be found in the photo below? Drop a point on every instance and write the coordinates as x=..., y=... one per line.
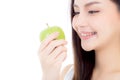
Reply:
x=20, y=24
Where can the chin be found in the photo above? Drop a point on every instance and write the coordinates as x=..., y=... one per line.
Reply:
x=87, y=48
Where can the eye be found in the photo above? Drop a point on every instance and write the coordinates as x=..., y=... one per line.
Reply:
x=76, y=13
x=93, y=11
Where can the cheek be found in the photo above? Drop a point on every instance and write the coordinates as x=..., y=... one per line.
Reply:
x=104, y=28
x=102, y=23
x=109, y=25
x=107, y=29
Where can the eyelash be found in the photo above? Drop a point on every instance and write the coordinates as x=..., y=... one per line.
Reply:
x=92, y=12
x=76, y=13
x=89, y=12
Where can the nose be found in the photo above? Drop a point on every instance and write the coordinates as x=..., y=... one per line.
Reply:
x=80, y=21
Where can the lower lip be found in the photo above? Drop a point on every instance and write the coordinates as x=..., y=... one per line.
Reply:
x=87, y=37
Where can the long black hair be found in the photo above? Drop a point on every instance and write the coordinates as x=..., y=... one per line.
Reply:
x=84, y=61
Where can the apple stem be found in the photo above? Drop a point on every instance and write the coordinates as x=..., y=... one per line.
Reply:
x=47, y=25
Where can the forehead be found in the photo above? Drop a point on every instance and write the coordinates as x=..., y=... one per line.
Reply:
x=83, y=2
x=86, y=3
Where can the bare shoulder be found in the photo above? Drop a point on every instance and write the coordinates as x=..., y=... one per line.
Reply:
x=64, y=71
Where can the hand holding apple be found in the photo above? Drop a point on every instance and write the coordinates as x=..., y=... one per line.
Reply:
x=52, y=52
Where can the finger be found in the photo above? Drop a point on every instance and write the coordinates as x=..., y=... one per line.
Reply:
x=61, y=58
x=48, y=40
x=53, y=45
x=57, y=51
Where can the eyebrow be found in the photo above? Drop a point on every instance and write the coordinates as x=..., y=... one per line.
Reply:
x=88, y=4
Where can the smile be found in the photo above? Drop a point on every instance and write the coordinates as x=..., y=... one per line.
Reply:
x=87, y=35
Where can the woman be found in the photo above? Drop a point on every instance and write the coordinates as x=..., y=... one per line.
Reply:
x=96, y=42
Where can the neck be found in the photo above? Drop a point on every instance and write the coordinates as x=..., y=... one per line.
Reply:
x=108, y=58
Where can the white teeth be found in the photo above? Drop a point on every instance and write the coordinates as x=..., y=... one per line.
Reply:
x=84, y=34
x=88, y=34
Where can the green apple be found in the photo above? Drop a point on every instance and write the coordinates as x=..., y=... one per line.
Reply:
x=46, y=32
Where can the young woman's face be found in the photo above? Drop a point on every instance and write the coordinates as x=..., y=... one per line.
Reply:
x=97, y=23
